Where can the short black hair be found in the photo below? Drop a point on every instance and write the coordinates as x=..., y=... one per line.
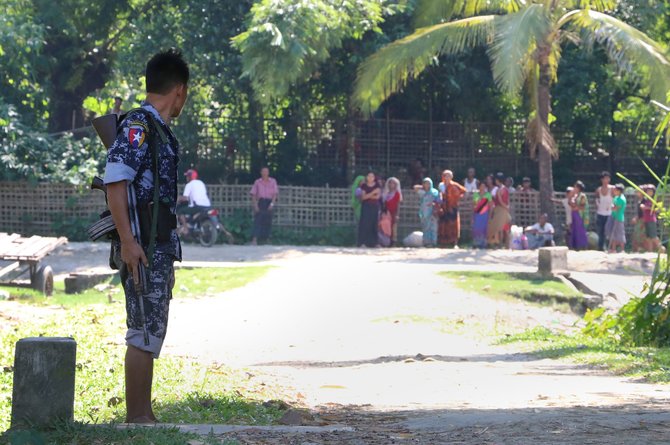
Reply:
x=605, y=174
x=165, y=70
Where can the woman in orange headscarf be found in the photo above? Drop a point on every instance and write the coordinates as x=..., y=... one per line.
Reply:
x=450, y=221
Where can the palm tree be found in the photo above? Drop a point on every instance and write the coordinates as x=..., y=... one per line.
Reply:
x=524, y=40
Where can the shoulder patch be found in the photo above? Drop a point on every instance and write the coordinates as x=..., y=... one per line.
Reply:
x=136, y=135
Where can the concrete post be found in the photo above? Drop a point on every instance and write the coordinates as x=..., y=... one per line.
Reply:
x=552, y=260
x=44, y=370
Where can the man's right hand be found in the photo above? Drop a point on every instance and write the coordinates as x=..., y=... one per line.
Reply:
x=132, y=254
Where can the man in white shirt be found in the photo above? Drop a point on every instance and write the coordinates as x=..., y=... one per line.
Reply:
x=195, y=194
x=471, y=183
x=540, y=234
x=604, y=202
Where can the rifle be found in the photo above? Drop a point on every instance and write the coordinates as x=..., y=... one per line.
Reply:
x=106, y=127
x=104, y=227
x=141, y=284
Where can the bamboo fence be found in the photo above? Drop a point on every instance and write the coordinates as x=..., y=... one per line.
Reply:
x=41, y=209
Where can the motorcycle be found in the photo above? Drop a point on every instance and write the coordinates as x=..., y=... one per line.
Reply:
x=204, y=227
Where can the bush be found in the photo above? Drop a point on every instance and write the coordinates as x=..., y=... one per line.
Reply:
x=643, y=321
x=239, y=225
x=329, y=236
x=26, y=154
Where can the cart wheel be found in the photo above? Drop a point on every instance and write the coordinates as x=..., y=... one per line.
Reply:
x=44, y=280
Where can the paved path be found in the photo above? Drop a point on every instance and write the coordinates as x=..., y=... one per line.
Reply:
x=386, y=334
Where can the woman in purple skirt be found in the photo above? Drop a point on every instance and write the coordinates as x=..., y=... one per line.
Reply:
x=580, y=217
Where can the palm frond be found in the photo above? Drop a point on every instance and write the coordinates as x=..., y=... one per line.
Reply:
x=516, y=37
x=389, y=69
x=663, y=129
x=596, y=5
x=555, y=58
x=431, y=12
x=627, y=47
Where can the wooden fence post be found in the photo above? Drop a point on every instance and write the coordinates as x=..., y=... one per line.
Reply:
x=430, y=133
x=388, y=142
x=351, y=147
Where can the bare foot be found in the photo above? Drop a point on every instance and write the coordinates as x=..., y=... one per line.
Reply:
x=141, y=419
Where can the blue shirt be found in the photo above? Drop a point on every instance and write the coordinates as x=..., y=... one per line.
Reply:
x=129, y=159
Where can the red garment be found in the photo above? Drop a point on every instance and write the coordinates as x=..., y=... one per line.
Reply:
x=502, y=196
x=649, y=215
x=393, y=204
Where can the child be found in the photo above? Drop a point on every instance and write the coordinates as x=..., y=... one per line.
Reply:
x=480, y=216
x=639, y=239
x=617, y=234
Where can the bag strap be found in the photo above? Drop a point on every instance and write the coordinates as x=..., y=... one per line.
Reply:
x=154, y=216
x=156, y=173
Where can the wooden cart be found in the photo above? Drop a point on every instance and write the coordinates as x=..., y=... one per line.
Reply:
x=20, y=257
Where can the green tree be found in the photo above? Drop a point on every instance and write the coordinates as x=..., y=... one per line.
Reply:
x=21, y=42
x=77, y=45
x=286, y=40
x=524, y=41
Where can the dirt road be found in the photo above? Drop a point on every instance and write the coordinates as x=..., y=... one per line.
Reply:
x=377, y=341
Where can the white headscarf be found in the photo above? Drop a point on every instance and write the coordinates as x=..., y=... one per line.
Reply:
x=388, y=194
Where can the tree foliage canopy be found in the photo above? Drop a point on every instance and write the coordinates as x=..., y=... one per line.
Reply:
x=292, y=60
x=295, y=37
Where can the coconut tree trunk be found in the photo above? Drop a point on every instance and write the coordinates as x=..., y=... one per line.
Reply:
x=544, y=151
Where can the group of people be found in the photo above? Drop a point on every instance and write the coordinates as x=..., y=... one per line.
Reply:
x=611, y=206
x=440, y=216
x=376, y=204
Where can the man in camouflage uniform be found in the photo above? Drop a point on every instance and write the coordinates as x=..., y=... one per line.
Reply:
x=131, y=160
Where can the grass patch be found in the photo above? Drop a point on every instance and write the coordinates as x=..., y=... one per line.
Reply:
x=204, y=282
x=650, y=364
x=525, y=286
x=191, y=282
x=81, y=434
x=445, y=325
x=185, y=391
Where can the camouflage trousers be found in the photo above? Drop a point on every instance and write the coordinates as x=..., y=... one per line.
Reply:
x=156, y=302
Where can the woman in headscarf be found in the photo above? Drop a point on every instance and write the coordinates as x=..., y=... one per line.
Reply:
x=501, y=219
x=429, y=209
x=580, y=217
x=356, y=197
x=369, y=222
x=480, y=216
x=391, y=198
x=450, y=220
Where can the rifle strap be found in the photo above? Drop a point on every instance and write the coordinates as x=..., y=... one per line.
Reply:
x=155, y=149
x=157, y=192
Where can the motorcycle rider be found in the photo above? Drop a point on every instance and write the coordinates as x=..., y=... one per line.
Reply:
x=193, y=200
